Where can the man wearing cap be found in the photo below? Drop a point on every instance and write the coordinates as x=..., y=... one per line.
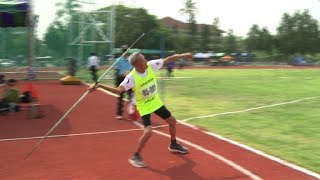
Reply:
x=143, y=82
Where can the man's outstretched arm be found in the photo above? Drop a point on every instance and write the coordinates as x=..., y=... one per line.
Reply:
x=187, y=56
x=116, y=90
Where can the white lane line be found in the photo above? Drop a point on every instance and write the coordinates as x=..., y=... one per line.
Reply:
x=78, y=134
x=250, y=109
x=270, y=157
x=210, y=153
x=167, y=78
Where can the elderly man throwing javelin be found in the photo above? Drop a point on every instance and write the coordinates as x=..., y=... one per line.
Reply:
x=143, y=82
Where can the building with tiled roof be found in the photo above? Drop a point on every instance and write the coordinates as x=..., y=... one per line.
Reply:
x=183, y=27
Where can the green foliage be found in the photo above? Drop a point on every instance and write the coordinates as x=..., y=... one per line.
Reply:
x=216, y=35
x=298, y=33
x=190, y=10
x=66, y=10
x=205, y=38
x=13, y=42
x=230, y=43
x=132, y=22
x=55, y=38
x=259, y=39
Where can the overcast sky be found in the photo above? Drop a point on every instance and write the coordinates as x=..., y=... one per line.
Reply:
x=238, y=15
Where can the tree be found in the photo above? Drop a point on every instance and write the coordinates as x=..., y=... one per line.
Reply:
x=216, y=35
x=131, y=23
x=267, y=40
x=13, y=42
x=57, y=36
x=298, y=33
x=259, y=39
x=55, y=39
x=230, y=42
x=252, y=40
x=66, y=10
x=190, y=9
x=205, y=38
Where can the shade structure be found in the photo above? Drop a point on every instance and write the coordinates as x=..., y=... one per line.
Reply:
x=18, y=13
x=227, y=58
x=203, y=55
x=14, y=13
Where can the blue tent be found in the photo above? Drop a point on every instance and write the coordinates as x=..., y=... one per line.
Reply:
x=18, y=13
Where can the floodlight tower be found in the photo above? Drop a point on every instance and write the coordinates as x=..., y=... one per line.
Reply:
x=70, y=24
x=81, y=25
x=89, y=25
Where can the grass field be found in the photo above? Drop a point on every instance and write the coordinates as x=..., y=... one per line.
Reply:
x=290, y=131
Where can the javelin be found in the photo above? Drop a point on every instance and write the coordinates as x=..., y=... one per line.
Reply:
x=78, y=101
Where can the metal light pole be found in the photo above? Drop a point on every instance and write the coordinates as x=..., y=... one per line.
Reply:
x=30, y=26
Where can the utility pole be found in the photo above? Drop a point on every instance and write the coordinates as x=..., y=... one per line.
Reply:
x=30, y=26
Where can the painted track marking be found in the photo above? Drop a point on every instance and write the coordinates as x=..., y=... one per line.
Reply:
x=280, y=161
x=261, y=153
x=250, y=109
x=78, y=134
x=253, y=176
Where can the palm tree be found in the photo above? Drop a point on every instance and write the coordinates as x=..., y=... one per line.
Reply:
x=66, y=9
x=189, y=9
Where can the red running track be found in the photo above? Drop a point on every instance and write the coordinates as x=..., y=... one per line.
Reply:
x=97, y=146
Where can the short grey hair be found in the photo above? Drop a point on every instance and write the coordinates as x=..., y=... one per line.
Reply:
x=134, y=57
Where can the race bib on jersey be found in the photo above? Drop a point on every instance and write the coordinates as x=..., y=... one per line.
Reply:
x=149, y=90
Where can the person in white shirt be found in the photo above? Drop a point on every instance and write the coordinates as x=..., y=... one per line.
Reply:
x=93, y=65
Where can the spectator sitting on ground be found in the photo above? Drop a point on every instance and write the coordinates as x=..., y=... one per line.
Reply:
x=11, y=96
x=1, y=79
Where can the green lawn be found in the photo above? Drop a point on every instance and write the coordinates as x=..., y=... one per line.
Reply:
x=290, y=131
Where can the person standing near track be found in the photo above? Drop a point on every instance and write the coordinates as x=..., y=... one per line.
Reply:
x=170, y=67
x=93, y=65
x=143, y=82
x=122, y=68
